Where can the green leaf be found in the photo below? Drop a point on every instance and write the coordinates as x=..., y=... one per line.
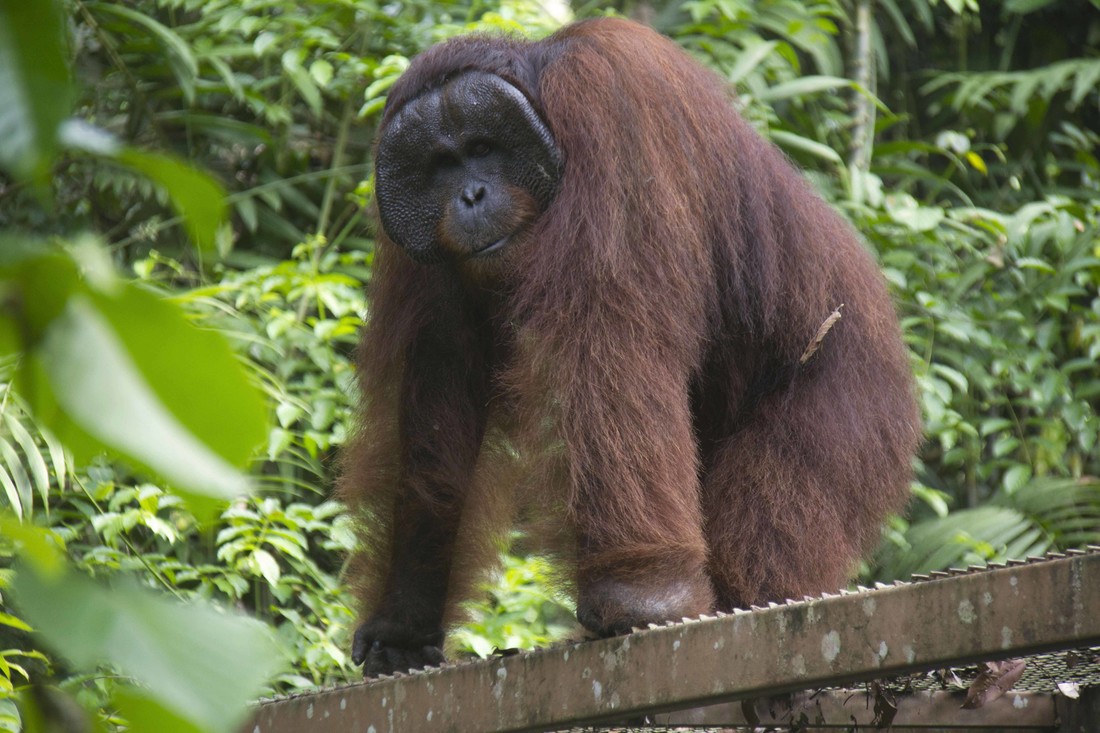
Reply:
x=976, y=162
x=321, y=71
x=18, y=474
x=16, y=623
x=267, y=566
x=954, y=376
x=101, y=386
x=375, y=106
x=103, y=362
x=197, y=197
x=180, y=58
x=144, y=713
x=1016, y=477
x=278, y=441
x=263, y=42
x=36, y=545
x=919, y=218
x=202, y=664
x=292, y=65
x=1004, y=445
x=994, y=425
x=10, y=491
x=379, y=86
x=1035, y=263
x=1023, y=7
x=797, y=142
x=57, y=457
x=35, y=89
x=1087, y=78
x=901, y=23
x=749, y=59
x=934, y=499
x=288, y=413
x=802, y=86
x=34, y=458
x=289, y=545
x=193, y=372
x=246, y=209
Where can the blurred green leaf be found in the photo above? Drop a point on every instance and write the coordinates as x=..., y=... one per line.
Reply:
x=197, y=197
x=212, y=398
x=1016, y=477
x=1035, y=263
x=98, y=385
x=147, y=713
x=203, y=665
x=104, y=371
x=35, y=89
x=1026, y=6
x=41, y=547
x=267, y=565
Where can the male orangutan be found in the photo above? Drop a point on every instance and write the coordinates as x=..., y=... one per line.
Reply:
x=590, y=268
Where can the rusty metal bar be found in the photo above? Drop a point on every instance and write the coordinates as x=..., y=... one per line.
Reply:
x=830, y=641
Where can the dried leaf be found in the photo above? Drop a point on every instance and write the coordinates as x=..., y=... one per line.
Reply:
x=1072, y=690
x=886, y=707
x=995, y=680
x=822, y=330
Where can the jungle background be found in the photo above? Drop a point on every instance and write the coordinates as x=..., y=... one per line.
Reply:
x=183, y=253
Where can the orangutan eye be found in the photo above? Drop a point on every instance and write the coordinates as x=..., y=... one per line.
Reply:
x=478, y=148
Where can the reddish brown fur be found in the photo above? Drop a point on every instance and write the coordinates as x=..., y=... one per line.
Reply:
x=642, y=341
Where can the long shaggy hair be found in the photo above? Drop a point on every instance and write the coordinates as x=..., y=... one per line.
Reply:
x=651, y=362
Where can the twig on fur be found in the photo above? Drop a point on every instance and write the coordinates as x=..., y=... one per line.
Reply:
x=822, y=330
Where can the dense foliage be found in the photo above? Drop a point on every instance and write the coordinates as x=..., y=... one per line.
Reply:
x=960, y=137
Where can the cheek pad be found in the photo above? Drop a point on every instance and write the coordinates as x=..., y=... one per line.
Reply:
x=533, y=161
x=403, y=189
x=473, y=105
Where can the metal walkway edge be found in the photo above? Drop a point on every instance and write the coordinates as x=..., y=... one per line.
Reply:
x=936, y=621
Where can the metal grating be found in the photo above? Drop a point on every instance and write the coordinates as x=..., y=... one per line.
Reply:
x=895, y=633
x=927, y=700
x=1042, y=673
